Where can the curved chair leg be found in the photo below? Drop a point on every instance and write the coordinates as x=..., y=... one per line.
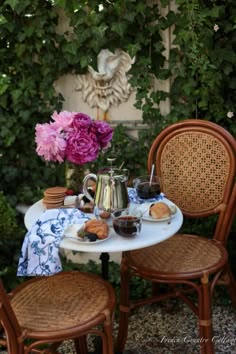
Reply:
x=109, y=339
x=205, y=318
x=124, y=309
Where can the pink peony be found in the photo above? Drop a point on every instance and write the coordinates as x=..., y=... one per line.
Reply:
x=81, y=121
x=50, y=144
x=103, y=132
x=72, y=136
x=63, y=120
x=81, y=147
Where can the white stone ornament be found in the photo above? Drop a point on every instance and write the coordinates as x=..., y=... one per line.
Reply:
x=109, y=85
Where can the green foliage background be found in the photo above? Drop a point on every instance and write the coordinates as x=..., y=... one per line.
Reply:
x=10, y=243
x=34, y=54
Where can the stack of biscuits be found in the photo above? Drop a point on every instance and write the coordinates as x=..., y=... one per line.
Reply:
x=54, y=197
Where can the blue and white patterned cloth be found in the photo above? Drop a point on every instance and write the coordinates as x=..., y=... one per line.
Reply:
x=133, y=197
x=40, y=249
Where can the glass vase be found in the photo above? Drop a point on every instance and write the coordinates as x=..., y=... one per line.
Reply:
x=74, y=175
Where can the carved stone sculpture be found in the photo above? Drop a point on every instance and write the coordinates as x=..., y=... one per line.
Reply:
x=109, y=85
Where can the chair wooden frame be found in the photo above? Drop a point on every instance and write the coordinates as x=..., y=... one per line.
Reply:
x=68, y=305
x=175, y=262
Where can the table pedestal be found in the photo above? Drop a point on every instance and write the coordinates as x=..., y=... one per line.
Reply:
x=104, y=257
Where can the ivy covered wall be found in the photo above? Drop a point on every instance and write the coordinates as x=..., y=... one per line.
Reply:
x=34, y=54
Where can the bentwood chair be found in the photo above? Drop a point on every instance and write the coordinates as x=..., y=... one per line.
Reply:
x=196, y=162
x=50, y=310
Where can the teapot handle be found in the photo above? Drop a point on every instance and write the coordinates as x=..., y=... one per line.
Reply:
x=90, y=176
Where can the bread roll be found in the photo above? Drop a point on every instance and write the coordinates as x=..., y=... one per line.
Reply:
x=159, y=211
x=98, y=227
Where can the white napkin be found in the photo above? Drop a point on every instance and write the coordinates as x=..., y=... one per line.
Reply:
x=40, y=249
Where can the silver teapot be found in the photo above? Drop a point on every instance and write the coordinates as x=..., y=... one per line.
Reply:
x=111, y=189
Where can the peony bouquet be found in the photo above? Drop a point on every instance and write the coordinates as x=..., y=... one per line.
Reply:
x=73, y=137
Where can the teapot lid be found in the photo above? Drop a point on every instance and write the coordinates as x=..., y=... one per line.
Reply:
x=111, y=172
x=114, y=172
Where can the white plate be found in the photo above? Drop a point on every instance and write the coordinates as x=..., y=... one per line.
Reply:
x=144, y=208
x=71, y=233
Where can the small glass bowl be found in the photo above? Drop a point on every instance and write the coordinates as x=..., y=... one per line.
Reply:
x=126, y=222
x=147, y=188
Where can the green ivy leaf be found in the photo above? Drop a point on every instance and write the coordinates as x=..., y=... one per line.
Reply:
x=163, y=74
x=214, y=11
x=2, y=20
x=12, y=3
x=4, y=83
x=16, y=94
x=18, y=6
x=141, y=7
x=119, y=28
x=133, y=49
x=61, y=3
x=228, y=68
x=129, y=16
x=83, y=62
x=71, y=48
x=100, y=32
x=20, y=49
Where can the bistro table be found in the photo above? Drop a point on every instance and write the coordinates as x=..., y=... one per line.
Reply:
x=152, y=232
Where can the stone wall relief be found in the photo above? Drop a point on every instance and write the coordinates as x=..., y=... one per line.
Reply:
x=109, y=85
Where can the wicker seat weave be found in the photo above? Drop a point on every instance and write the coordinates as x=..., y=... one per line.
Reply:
x=180, y=254
x=45, y=311
x=71, y=301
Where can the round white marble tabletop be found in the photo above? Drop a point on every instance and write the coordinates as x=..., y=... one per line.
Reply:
x=152, y=232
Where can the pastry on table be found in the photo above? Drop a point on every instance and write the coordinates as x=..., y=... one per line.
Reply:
x=159, y=210
x=98, y=227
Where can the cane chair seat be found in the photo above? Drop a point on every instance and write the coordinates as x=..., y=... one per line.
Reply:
x=68, y=305
x=195, y=160
x=70, y=302
x=179, y=257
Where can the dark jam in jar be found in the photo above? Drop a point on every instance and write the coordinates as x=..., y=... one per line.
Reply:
x=127, y=226
x=145, y=190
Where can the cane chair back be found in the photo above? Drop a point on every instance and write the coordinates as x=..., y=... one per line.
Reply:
x=195, y=160
x=50, y=310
